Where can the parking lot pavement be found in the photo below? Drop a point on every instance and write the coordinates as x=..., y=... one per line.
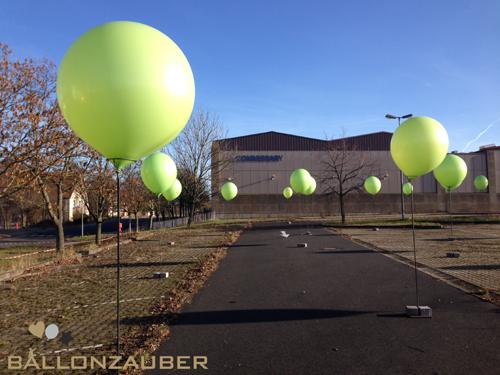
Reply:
x=333, y=307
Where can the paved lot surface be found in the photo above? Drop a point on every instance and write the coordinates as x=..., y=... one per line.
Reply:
x=331, y=308
x=478, y=244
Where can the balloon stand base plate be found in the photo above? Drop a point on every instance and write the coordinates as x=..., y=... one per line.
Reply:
x=170, y=243
x=302, y=245
x=418, y=312
x=160, y=275
x=453, y=254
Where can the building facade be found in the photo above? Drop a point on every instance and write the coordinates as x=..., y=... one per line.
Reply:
x=261, y=164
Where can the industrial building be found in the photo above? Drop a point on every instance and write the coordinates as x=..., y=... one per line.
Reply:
x=260, y=165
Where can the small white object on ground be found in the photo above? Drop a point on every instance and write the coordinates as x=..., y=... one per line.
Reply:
x=161, y=275
x=170, y=243
x=284, y=234
x=418, y=311
x=302, y=245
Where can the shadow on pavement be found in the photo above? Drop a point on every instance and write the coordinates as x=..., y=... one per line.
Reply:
x=247, y=316
x=345, y=252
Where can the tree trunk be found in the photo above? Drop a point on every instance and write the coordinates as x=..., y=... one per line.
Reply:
x=191, y=215
x=342, y=209
x=60, y=221
x=60, y=238
x=151, y=215
x=129, y=223
x=98, y=231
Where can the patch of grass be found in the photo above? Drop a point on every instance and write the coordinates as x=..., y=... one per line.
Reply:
x=384, y=223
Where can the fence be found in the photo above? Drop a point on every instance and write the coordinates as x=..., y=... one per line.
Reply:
x=171, y=223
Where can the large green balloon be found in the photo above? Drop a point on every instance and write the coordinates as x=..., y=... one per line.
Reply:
x=311, y=187
x=173, y=191
x=419, y=145
x=372, y=185
x=287, y=192
x=407, y=188
x=481, y=183
x=158, y=172
x=299, y=180
x=126, y=89
x=229, y=191
x=451, y=172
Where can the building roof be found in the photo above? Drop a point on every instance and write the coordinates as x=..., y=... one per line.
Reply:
x=275, y=141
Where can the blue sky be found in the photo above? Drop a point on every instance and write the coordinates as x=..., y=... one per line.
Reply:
x=307, y=67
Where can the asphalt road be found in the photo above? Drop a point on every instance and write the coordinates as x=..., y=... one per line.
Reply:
x=331, y=308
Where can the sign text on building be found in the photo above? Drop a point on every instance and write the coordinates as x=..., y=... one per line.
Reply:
x=258, y=158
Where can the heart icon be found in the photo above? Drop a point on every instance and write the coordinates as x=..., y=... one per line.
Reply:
x=37, y=329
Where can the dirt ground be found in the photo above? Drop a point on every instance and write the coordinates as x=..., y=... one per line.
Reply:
x=478, y=245
x=80, y=296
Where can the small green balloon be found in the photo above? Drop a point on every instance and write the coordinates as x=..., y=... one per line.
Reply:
x=372, y=185
x=229, y=191
x=299, y=180
x=407, y=188
x=126, y=89
x=481, y=183
x=158, y=172
x=173, y=191
x=311, y=187
x=287, y=192
x=419, y=145
x=451, y=172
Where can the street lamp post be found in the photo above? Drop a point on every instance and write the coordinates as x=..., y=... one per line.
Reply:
x=393, y=117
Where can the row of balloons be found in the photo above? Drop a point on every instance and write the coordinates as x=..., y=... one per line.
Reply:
x=450, y=174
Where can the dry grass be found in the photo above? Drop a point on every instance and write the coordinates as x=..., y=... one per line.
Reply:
x=478, y=245
x=79, y=294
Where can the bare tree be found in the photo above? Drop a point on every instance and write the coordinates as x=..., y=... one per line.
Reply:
x=23, y=92
x=192, y=151
x=97, y=187
x=54, y=149
x=134, y=194
x=344, y=171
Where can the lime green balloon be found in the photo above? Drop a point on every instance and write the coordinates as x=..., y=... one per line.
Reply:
x=126, y=89
x=372, y=185
x=299, y=180
x=451, y=172
x=481, y=183
x=287, y=192
x=419, y=145
x=311, y=187
x=158, y=172
x=173, y=191
x=407, y=188
x=229, y=191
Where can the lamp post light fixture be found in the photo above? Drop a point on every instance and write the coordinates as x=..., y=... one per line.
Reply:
x=394, y=117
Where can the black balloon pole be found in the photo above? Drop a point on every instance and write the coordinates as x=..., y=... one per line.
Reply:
x=118, y=263
x=414, y=249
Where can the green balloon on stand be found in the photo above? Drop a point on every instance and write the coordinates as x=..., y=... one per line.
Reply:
x=287, y=192
x=311, y=188
x=158, y=172
x=372, y=185
x=451, y=172
x=481, y=183
x=126, y=89
x=173, y=192
x=299, y=180
x=229, y=191
x=407, y=188
x=419, y=145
